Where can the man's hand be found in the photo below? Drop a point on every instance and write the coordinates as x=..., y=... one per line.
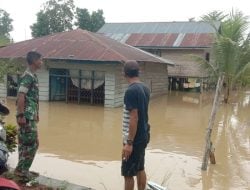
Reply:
x=21, y=121
x=127, y=151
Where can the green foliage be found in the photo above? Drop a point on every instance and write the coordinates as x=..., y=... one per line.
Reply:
x=56, y=16
x=213, y=16
x=41, y=27
x=5, y=23
x=10, y=66
x=11, y=133
x=83, y=19
x=244, y=78
x=231, y=50
x=4, y=40
x=97, y=20
x=91, y=22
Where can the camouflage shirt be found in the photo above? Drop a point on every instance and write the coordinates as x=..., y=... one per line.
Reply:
x=28, y=85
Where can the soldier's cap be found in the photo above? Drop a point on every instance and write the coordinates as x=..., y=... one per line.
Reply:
x=3, y=109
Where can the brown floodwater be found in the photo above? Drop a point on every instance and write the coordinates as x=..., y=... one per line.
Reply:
x=82, y=144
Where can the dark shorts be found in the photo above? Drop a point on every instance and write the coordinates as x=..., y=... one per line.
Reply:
x=136, y=161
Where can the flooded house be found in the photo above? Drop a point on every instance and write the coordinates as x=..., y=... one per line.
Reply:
x=84, y=67
x=173, y=40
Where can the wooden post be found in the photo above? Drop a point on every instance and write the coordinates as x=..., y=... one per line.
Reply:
x=170, y=85
x=201, y=86
x=67, y=87
x=208, y=148
x=79, y=86
x=92, y=87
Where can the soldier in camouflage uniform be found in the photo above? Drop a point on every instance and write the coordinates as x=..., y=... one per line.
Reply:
x=28, y=116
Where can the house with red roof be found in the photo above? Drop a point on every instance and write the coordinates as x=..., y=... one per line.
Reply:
x=85, y=67
x=177, y=41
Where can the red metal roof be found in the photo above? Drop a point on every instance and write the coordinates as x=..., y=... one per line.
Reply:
x=170, y=40
x=79, y=45
x=163, y=34
x=197, y=40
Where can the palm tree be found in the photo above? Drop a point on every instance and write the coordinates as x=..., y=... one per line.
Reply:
x=231, y=51
x=213, y=16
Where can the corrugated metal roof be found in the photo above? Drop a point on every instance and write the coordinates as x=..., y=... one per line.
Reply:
x=166, y=40
x=79, y=45
x=163, y=34
x=159, y=27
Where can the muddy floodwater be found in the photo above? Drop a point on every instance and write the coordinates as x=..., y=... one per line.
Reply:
x=82, y=144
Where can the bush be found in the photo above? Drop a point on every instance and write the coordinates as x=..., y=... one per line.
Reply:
x=11, y=133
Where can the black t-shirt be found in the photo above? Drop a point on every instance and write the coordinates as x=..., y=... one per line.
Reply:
x=137, y=97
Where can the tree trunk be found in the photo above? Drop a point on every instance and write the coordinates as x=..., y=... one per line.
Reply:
x=226, y=95
x=227, y=91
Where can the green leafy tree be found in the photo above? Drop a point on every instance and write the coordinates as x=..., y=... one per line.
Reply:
x=83, y=19
x=56, y=16
x=213, y=16
x=7, y=65
x=97, y=20
x=91, y=22
x=5, y=27
x=231, y=51
x=10, y=66
x=41, y=27
x=4, y=40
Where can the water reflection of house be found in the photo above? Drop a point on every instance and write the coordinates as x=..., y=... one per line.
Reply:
x=174, y=40
x=84, y=67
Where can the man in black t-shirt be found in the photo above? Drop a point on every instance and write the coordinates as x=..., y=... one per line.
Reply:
x=135, y=128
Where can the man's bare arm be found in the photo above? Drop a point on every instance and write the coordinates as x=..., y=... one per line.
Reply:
x=20, y=102
x=133, y=124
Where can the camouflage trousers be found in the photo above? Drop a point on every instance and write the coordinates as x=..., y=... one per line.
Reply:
x=27, y=145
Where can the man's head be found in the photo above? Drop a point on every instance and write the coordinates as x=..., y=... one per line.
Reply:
x=32, y=56
x=34, y=59
x=131, y=69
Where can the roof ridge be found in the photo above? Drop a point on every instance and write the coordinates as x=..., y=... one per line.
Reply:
x=108, y=47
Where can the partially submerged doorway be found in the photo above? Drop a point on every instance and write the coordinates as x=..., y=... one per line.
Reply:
x=78, y=86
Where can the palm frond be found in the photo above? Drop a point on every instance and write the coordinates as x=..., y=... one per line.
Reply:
x=235, y=27
x=242, y=71
x=203, y=62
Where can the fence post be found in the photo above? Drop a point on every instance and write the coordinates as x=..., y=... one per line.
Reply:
x=209, y=150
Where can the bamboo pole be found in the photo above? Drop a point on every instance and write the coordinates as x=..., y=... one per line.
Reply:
x=209, y=150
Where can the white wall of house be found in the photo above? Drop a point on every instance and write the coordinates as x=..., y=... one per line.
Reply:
x=155, y=76
x=120, y=86
x=108, y=69
x=43, y=79
x=3, y=88
x=109, y=89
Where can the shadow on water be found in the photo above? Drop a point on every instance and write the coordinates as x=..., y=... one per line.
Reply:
x=86, y=142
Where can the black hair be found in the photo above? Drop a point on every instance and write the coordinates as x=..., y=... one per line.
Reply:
x=131, y=68
x=32, y=56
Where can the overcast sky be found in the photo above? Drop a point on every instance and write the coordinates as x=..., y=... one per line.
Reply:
x=23, y=12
